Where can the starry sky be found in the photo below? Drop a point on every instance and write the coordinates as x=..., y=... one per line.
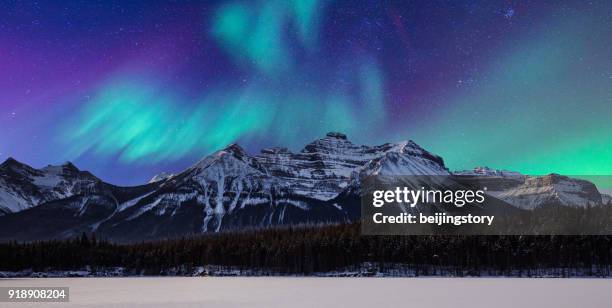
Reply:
x=128, y=89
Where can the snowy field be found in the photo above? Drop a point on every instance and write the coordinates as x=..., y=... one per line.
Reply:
x=323, y=292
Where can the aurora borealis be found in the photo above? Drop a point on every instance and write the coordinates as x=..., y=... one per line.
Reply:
x=129, y=89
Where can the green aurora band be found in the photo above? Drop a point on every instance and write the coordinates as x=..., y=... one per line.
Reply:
x=535, y=112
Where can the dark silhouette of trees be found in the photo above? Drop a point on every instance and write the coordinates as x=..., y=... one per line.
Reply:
x=306, y=250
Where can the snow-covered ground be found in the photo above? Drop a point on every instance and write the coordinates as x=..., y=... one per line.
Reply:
x=323, y=292
x=366, y=269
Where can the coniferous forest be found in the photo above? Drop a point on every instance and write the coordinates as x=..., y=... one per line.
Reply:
x=309, y=250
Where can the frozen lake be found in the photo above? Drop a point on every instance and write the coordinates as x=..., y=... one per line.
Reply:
x=323, y=292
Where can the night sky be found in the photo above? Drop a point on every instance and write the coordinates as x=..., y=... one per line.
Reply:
x=128, y=89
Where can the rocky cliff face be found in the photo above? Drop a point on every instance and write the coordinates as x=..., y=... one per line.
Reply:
x=227, y=190
x=529, y=192
x=533, y=191
x=324, y=167
x=231, y=189
x=23, y=187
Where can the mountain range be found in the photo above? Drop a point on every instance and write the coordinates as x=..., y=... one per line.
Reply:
x=231, y=190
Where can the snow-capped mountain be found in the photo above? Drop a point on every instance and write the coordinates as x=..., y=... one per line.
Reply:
x=529, y=192
x=22, y=187
x=405, y=158
x=486, y=171
x=324, y=167
x=231, y=189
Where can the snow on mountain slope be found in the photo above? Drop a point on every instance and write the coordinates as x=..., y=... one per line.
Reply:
x=529, y=192
x=160, y=177
x=22, y=186
x=405, y=158
x=486, y=171
x=215, y=186
x=232, y=161
x=324, y=167
x=535, y=191
x=231, y=189
x=606, y=199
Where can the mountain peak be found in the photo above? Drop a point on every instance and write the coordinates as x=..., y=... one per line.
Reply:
x=234, y=149
x=226, y=155
x=11, y=162
x=69, y=166
x=336, y=135
x=333, y=142
x=65, y=168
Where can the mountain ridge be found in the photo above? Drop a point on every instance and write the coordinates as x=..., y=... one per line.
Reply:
x=230, y=189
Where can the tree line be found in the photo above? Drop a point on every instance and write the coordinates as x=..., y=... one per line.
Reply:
x=305, y=250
